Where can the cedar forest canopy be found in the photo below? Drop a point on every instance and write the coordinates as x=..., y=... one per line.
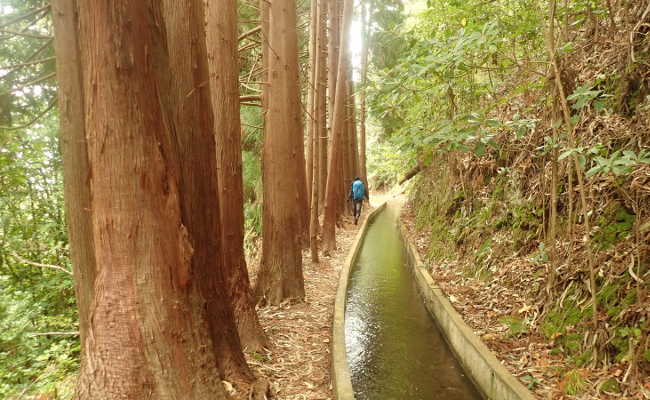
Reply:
x=519, y=128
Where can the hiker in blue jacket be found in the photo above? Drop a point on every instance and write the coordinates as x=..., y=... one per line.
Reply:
x=357, y=193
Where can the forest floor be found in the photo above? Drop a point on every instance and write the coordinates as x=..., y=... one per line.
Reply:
x=297, y=362
x=486, y=304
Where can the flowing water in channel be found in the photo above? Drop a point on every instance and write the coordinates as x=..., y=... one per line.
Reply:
x=395, y=350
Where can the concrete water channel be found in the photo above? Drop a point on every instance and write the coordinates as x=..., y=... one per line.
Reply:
x=394, y=349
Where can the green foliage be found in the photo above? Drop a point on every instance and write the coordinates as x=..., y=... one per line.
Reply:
x=621, y=162
x=610, y=386
x=584, y=95
x=34, y=300
x=440, y=93
x=574, y=382
x=385, y=164
x=613, y=227
x=20, y=99
x=515, y=325
x=624, y=341
x=560, y=321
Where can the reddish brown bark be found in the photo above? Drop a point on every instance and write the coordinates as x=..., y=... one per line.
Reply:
x=352, y=118
x=334, y=41
x=319, y=125
x=75, y=157
x=362, y=95
x=195, y=129
x=224, y=75
x=311, y=99
x=147, y=329
x=280, y=276
x=334, y=187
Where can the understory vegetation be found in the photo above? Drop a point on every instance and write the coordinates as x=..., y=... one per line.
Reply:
x=545, y=191
x=521, y=126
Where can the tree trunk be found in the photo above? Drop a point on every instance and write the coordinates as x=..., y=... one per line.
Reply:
x=75, y=157
x=362, y=95
x=280, y=276
x=334, y=14
x=319, y=124
x=345, y=207
x=311, y=90
x=334, y=186
x=148, y=328
x=203, y=204
x=224, y=75
x=147, y=325
x=352, y=116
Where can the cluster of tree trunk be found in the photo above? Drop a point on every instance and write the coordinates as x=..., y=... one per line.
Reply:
x=150, y=134
x=154, y=196
x=344, y=160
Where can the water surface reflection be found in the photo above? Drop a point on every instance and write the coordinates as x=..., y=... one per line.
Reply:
x=395, y=351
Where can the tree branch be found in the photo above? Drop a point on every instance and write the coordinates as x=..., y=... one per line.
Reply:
x=30, y=83
x=26, y=34
x=249, y=33
x=35, y=119
x=24, y=16
x=71, y=333
x=26, y=64
x=35, y=264
x=250, y=98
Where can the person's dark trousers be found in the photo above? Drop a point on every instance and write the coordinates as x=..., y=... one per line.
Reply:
x=357, y=209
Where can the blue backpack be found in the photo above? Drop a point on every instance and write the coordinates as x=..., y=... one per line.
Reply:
x=358, y=190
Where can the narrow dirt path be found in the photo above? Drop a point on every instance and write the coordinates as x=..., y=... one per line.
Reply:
x=297, y=363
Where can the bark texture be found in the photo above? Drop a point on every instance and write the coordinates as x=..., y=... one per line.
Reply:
x=194, y=128
x=224, y=77
x=311, y=99
x=147, y=326
x=284, y=208
x=76, y=170
x=362, y=94
x=334, y=185
x=319, y=124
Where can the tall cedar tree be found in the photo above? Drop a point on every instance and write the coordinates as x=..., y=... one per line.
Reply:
x=148, y=326
x=311, y=99
x=284, y=208
x=195, y=127
x=75, y=158
x=224, y=86
x=365, y=22
x=319, y=113
x=339, y=125
x=334, y=38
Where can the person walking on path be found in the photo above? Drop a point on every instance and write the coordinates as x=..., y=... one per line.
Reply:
x=357, y=193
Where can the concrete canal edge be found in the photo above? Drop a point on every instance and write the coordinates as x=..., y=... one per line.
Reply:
x=341, y=380
x=488, y=374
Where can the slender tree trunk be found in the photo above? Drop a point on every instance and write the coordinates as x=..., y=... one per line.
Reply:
x=224, y=88
x=322, y=101
x=579, y=170
x=319, y=126
x=311, y=91
x=365, y=26
x=345, y=208
x=75, y=157
x=334, y=186
x=552, y=234
x=313, y=220
x=148, y=327
x=280, y=276
x=352, y=111
x=334, y=15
